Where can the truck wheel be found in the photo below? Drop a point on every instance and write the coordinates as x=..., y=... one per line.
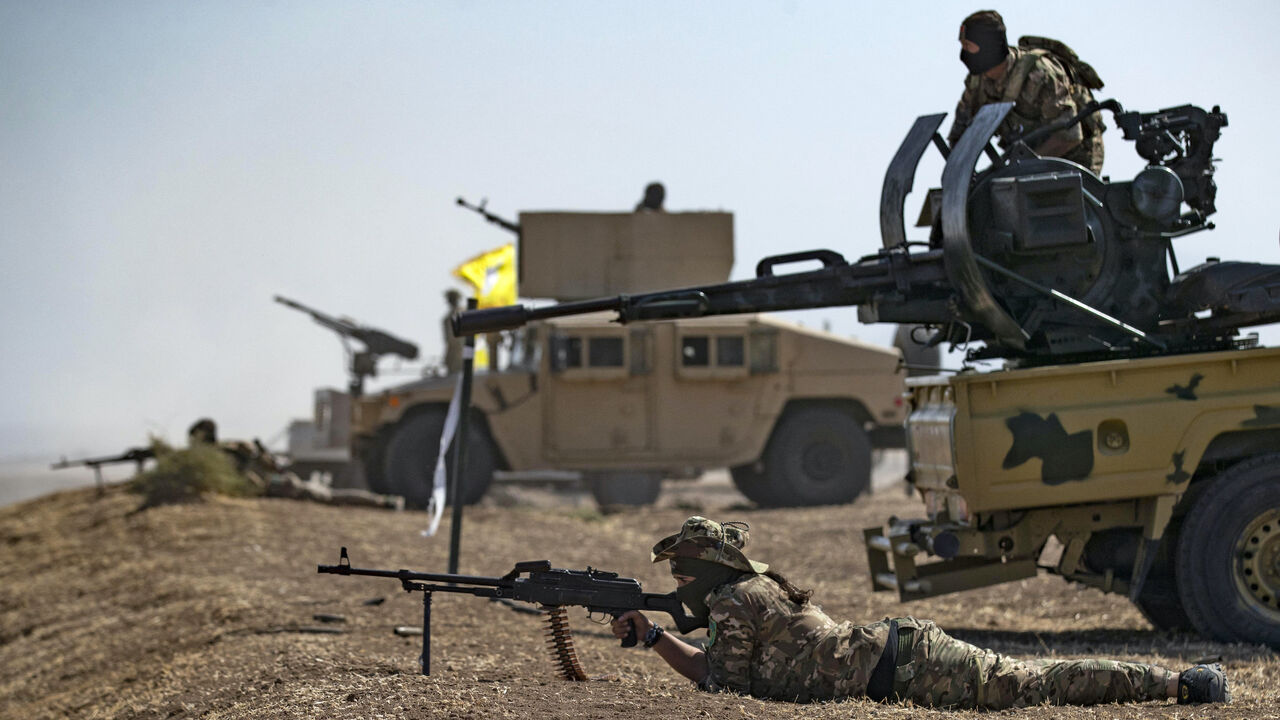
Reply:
x=1228, y=567
x=817, y=456
x=1160, y=605
x=1159, y=602
x=753, y=484
x=410, y=459
x=624, y=488
x=372, y=460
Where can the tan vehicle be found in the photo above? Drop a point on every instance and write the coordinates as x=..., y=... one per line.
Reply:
x=1169, y=465
x=795, y=413
x=1132, y=439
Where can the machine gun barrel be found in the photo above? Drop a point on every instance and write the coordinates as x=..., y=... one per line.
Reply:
x=411, y=576
x=378, y=342
x=837, y=283
x=136, y=455
x=495, y=219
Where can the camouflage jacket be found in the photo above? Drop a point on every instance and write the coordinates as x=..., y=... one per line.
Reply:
x=1046, y=94
x=761, y=644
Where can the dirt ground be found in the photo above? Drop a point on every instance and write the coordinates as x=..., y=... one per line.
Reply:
x=208, y=610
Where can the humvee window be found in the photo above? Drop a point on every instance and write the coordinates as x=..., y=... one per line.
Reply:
x=566, y=352
x=730, y=351
x=695, y=351
x=605, y=352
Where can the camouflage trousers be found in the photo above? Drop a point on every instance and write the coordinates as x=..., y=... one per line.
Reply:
x=945, y=672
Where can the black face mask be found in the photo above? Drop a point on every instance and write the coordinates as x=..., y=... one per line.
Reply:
x=993, y=48
x=707, y=576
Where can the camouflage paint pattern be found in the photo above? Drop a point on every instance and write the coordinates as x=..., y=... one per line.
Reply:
x=949, y=673
x=762, y=644
x=704, y=539
x=1046, y=95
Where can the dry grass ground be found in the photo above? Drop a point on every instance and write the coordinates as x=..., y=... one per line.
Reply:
x=199, y=610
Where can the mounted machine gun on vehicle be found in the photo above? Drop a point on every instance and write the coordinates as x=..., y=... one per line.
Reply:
x=1131, y=425
x=364, y=363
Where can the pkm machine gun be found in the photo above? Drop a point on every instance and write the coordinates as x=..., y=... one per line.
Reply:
x=364, y=363
x=1036, y=257
x=535, y=582
x=139, y=456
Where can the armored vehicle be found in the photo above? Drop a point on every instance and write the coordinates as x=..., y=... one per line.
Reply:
x=793, y=412
x=1131, y=440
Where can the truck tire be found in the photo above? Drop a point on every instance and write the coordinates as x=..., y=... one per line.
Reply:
x=371, y=457
x=624, y=488
x=1159, y=602
x=816, y=456
x=753, y=484
x=410, y=459
x=1228, y=566
x=1160, y=605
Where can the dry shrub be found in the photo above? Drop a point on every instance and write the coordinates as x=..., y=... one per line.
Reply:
x=186, y=475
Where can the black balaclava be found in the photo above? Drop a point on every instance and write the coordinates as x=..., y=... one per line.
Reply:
x=707, y=576
x=993, y=46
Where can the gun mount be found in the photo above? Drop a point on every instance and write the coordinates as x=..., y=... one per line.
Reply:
x=364, y=363
x=1035, y=257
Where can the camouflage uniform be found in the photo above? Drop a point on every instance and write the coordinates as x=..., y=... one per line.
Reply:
x=1047, y=94
x=760, y=643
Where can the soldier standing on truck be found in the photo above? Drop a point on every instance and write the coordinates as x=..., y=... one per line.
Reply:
x=452, y=343
x=1044, y=79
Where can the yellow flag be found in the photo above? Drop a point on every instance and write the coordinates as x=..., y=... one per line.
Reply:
x=493, y=274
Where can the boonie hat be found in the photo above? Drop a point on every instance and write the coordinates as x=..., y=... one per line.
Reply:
x=709, y=540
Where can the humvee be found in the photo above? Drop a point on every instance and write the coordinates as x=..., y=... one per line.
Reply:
x=793, y=412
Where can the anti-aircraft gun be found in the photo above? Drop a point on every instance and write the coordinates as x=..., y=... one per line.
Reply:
x=1130, y=442
x=364, y=363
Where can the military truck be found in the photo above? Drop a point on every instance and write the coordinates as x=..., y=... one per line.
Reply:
x=1131, y=440
x=793, y=412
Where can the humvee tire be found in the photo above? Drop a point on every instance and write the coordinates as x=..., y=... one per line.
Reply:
x=815, y=456
x=753, y=483
x=1228, y=566
x=410, y=458
x=624, y=488
x=375, y=477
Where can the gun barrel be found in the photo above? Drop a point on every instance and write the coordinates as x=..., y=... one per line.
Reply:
x=836, y=284
x=413, y=576
x=509, y=317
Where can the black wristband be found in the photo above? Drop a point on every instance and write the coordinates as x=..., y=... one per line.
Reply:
x=651, y=637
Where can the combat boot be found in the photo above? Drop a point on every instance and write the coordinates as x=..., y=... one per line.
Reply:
x=1203, y=684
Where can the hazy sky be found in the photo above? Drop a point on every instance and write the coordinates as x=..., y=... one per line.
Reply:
x=165, y=168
